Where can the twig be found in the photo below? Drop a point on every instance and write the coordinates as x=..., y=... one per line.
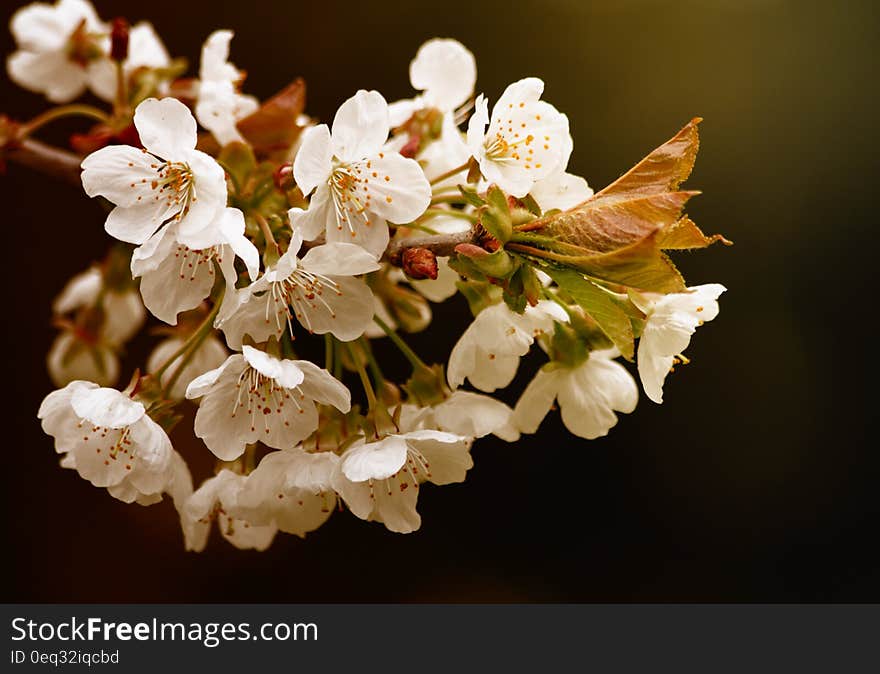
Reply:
x=44, y=158
x=442, y=245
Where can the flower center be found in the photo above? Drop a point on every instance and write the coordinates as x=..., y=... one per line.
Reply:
x=261, y=397
x=113, y=443
x=512, y=146
x=194, y=262
x=176, y=186
x=414, y=470
x=350, y=190
x=300, y=294
x=83, y=47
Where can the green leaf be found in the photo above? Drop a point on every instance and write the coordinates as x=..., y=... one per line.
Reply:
x=239, y=162
x=495, y=215
x=602, y=307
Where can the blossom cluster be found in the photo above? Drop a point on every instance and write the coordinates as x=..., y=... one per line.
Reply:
x=255, y=236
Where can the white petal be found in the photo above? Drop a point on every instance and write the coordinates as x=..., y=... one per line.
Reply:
x=200, y=227
x=339, y=259
x=41, y=27
x=106, y=407
x=166, y=127
x=562, y=191
x=145, y=48
x=445, y=462
x=345, y=310
x=69, y=359
x=134, y=224
x=396, y=508
x=446, y=71
x=232, y=226
x=312, y=165
x=360, y=126
x=223, y=424
x=375, y=460
x=318, y=218
x=124, y=316
x=322, y=387
x=584, y=410
x=286, y=372
x=373, y=237
x=203, y=383
x=120, y=173
x=536, y=400
x=81, y=291
x=180, y=283
x=476, y=130
x=401, y=192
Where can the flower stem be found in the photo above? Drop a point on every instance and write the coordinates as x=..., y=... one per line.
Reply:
x=365, y=379
x=375, y=370
x=121, y=103
x=404, y=348
x=189, y=347
x=328, y=352
x=451, y=172
x=62, y=111
x=267, y=231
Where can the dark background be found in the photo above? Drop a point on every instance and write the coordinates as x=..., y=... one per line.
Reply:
x=755, y=480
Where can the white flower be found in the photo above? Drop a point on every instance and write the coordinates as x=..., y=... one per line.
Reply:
x=290, y=490
x=358, y=187
x=670, y=322
x=256, y=397
x=473, y=415
x=110, y=440
x=72, y=357
x=176, y=278
x=145, y=50
x=217, y=498
x=445, y=71
x=588, y=395
x=561, y=190
x=87, y=349
x=123, y=311
x=167, y=182
x=61, y=48
x=488, y=352
x=526, y=140
x=209, y=355
x=380, y=480
x=220, y=105
x=319, y=289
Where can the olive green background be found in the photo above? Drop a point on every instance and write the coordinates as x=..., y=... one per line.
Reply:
x=755, y=481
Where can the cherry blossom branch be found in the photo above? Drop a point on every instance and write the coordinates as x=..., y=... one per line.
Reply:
x=442, y=245
x=44, y=158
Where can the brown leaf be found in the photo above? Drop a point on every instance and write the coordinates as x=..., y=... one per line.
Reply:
x=618, y=235
x=273, y=127
x=664, y=169
x=684, y=234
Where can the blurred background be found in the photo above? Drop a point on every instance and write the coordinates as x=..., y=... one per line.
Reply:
x=755, y=480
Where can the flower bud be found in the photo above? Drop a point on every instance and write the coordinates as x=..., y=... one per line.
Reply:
x=119, y=40
x=283, y=177
x=419, y=264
